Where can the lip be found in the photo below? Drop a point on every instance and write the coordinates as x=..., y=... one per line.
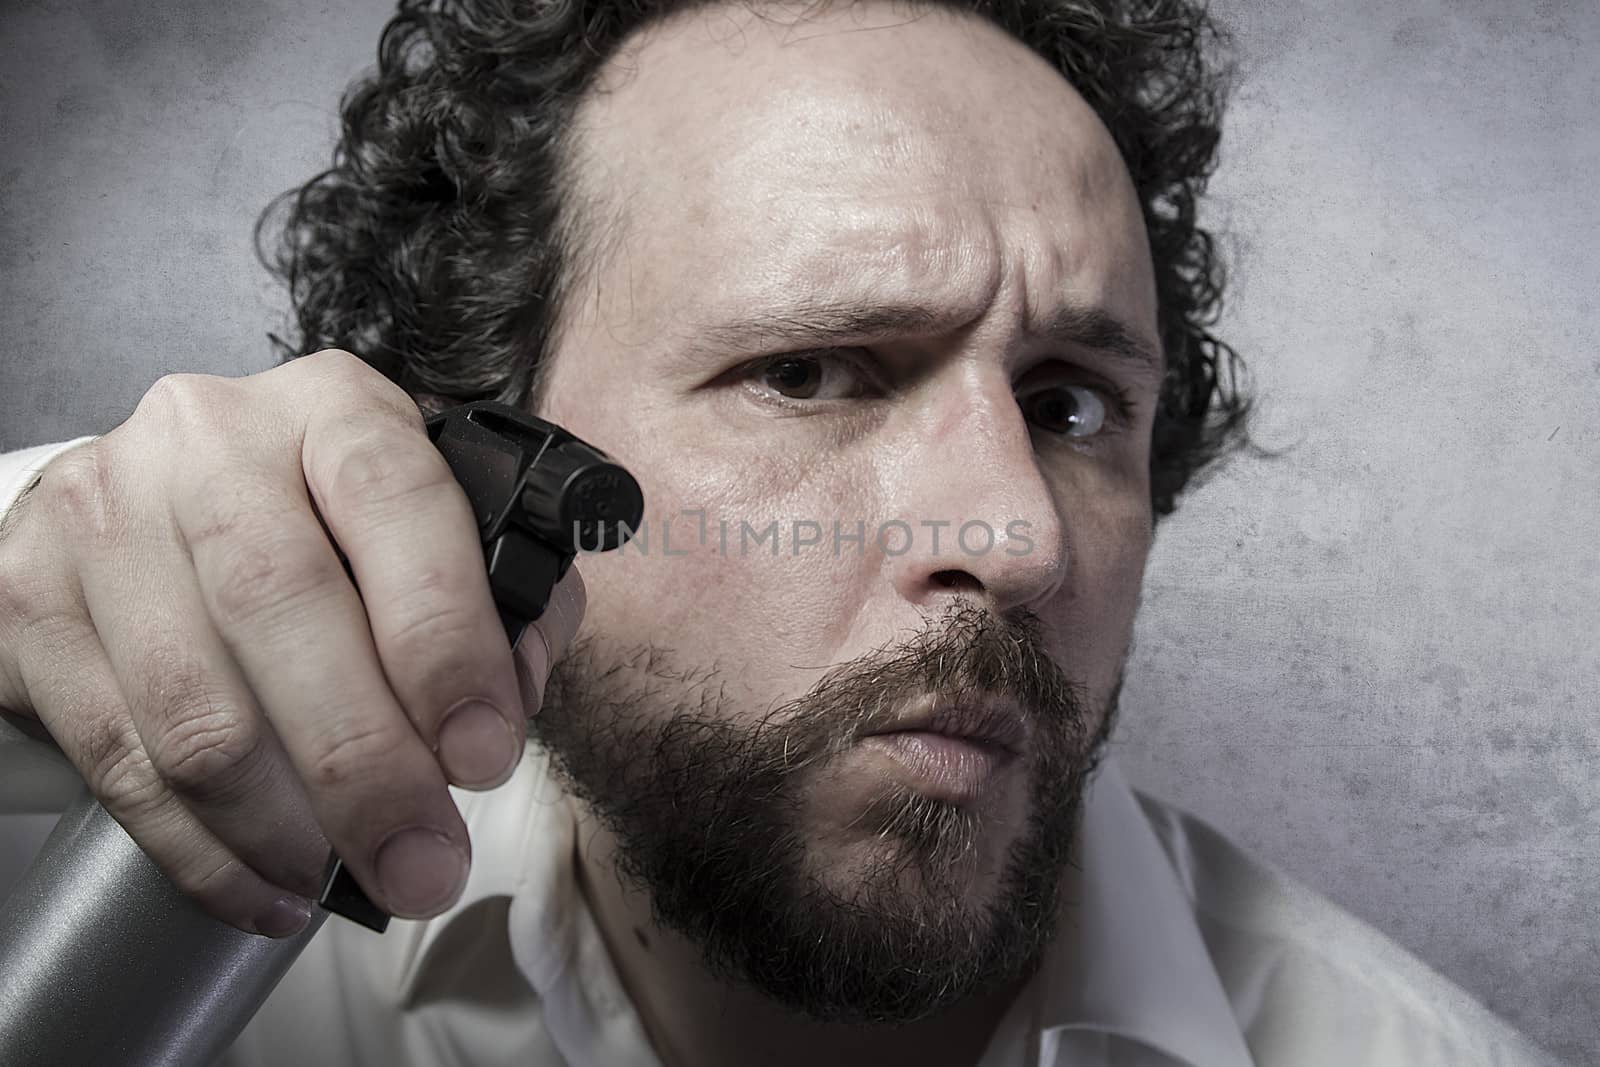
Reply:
x=956, y=770
x=981, y=719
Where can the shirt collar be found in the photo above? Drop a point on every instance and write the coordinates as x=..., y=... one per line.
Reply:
x=1128, y=958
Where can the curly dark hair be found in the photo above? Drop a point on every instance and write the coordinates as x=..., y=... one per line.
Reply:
x=439, y=245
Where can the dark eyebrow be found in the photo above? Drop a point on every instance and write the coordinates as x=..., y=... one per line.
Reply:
x=819, y=324
x=1096, y=328
x=822, y=324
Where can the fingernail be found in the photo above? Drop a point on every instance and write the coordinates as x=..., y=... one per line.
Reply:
x=476, y=745
x=286, y=916
x=534, y=643
x=561, y=618
x=420, y=872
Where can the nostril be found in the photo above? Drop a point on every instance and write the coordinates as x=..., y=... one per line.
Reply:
x=953, y=579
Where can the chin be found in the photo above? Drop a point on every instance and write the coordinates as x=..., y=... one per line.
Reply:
x=883, y=833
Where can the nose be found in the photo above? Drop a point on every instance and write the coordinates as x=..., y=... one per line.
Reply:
x=985, y=519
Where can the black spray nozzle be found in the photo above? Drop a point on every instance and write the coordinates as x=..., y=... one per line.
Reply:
x=576, y=497
x=521, y=471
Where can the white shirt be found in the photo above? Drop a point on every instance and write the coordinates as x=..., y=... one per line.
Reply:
x=1179, y=951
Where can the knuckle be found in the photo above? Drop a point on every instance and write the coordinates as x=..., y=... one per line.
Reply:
x=103, y=743
x=188, y=405
x=80, y=486
x=174, y=393
x=401, y=404
x=264, y=578
x=363, y=386
x=207, y=751
x=345, y=752
x=443, y=643
x=362, y=379
x=118, y=771
x=135, y=794
x=378, y=467
x=361, y=371
x=206, y=759
x=338, y=362
x=430, y=610
x=31, y=596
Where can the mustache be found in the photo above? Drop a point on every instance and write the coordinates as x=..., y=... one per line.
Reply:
x=967, y=653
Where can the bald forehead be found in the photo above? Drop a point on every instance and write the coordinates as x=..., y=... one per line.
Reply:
x=916, y=155
x=874, y=84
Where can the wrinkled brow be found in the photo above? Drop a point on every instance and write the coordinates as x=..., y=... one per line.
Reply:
x=818, y=325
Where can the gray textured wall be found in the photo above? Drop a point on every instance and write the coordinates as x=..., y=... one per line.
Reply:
x=1371, y=660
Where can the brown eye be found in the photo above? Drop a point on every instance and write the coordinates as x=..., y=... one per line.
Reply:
x=1070, y=409
x=821, y=376
x=796, y=377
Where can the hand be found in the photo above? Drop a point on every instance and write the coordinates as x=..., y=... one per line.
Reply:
x=174, y=613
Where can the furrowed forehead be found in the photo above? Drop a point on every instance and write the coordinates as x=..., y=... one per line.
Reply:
x=742, y=151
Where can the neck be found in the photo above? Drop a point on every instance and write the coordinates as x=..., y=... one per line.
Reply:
x=695, y=1018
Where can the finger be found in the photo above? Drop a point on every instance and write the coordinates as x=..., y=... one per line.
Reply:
x=198, y=722
x=403, y=521
x=85, y=713
x=279, y=598
x=547, y=638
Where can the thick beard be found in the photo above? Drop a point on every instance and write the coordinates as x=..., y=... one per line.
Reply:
x=705, y=806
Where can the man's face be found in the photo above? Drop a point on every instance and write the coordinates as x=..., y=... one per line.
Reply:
x=864, y=273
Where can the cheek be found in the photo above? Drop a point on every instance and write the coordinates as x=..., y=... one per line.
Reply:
x=715, y=576
x=1093, y=614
